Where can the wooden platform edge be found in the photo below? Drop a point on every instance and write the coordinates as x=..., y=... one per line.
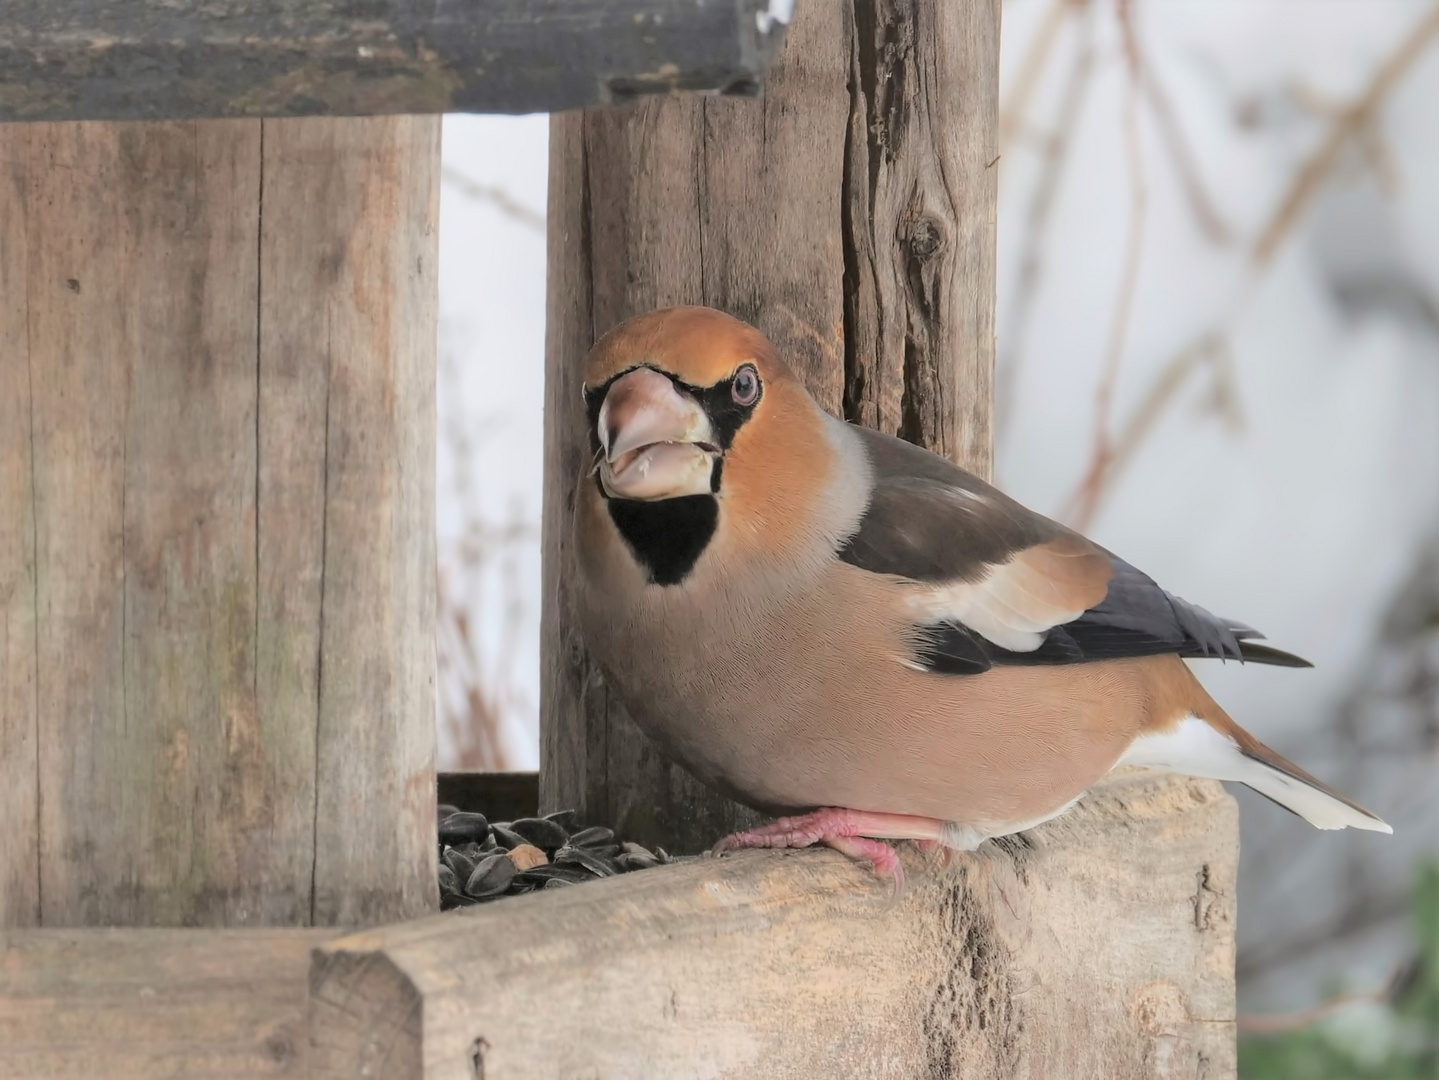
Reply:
x=155, y=60
x=1099, y=946
x=146, y=1003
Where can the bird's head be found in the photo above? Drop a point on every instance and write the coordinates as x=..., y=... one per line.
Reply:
x=670, y=394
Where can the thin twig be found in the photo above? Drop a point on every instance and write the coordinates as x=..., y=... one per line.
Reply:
x=1350, y=121
x=1211, y=223
x=1041, y=206
x=1206, y=350
x=1277, y=1023
x=1036, y=58
x=497, y=197
x=1087, y=499
x=1353, y=118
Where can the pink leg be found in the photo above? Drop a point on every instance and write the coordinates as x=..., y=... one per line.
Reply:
x=856, y=833
x=877, y=853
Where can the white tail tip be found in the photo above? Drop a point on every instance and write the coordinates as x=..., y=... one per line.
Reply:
x=1194, y=748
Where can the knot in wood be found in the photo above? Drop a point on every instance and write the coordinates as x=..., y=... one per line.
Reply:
x=279, y=1048
x=926, y=237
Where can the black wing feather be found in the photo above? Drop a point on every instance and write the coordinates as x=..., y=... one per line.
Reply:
x=924, y=524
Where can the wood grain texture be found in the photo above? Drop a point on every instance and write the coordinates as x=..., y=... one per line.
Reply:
x=19, y=707
x=202, y=483
x=348, y=316
x=920, y=224
x=850, y=216
x=144, y=1004
x=160, y=60
x=1048, y=958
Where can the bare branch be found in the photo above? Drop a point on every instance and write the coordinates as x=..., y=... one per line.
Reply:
x=1036, y=58
x=1087, y=498
x=1277, y=1023
x=1211, y=223
x=1055, y=151
x=496, y=196
x=1349, y=121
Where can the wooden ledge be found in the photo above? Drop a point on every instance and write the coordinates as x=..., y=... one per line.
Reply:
x=162, y=60
x=1102, y=945
x=145, y=1004
x=1099, y=946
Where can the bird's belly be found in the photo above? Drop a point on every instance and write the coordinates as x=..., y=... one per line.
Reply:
x=795, y=721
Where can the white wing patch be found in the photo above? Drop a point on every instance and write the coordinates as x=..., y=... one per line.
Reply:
x=1016, y=603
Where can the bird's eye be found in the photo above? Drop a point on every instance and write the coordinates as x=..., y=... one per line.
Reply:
x=744, y=387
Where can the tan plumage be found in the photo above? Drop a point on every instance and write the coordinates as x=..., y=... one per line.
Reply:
x=807, y=615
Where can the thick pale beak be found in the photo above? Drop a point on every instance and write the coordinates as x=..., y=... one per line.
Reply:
x=657, y=442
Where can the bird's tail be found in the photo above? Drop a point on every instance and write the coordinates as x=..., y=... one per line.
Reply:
x=1219, y=749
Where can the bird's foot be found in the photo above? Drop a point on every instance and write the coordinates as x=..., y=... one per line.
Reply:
x=854, y=833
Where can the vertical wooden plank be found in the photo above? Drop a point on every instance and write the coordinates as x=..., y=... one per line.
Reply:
x=571, y=691
x=921, y=192
x=850, y=215
x=218, y=445
x=347, y=377
x=19, y=734
x=140, y=293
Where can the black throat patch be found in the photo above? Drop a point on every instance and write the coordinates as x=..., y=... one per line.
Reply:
x=667, y=536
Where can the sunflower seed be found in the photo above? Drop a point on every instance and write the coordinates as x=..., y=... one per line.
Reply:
x=573, y=856
x=565, y=819
x=463, y=867
x=540, y=874
x=594, y=836
x=462, y=827
x=633, y=860
x=506, y=837
x=492, y=876
x=526, y=856
x=540, y=832
x=448, y=881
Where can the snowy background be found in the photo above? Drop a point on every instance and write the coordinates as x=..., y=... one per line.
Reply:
x=1218, y=354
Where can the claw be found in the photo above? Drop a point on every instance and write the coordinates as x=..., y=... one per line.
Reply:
x=854, y=833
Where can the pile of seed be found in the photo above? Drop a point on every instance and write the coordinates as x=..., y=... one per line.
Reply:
x=480, y=860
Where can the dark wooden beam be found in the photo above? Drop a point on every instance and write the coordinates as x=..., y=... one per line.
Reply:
x=159, y=59
x=500, y=796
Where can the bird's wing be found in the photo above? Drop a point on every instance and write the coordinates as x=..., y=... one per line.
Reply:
x=1000, y=584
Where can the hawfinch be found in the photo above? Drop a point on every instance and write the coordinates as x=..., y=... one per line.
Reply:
x=824, y=620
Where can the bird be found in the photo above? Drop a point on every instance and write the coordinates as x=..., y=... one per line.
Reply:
x=835, y=626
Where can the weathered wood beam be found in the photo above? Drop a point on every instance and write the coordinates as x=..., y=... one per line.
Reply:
x=162, y=60
x=145, y=1004
x=217, y=440
x=1049, y=957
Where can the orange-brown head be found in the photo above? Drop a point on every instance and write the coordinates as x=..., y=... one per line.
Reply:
x=689, y=409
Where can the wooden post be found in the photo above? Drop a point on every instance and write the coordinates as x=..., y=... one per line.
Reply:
x=217, y=487
x=850, y=215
